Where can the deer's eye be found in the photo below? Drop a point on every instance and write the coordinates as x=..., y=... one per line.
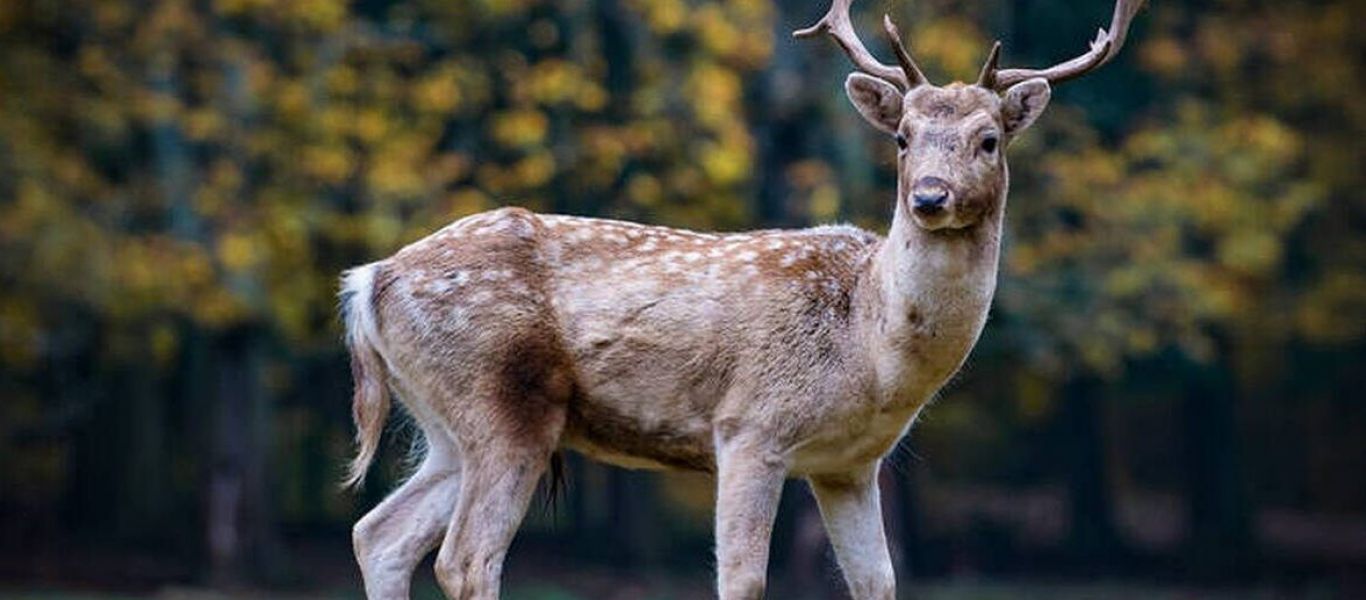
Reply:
x=900, y=141
x=989, y=144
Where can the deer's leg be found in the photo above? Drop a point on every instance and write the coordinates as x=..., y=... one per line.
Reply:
x=506, y=435
x=498, y=487
x=852, y=511
x=390, y=540
x=749, y=483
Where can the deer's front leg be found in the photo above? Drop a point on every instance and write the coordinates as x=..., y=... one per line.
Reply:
x=748, y=484
x=852, y=511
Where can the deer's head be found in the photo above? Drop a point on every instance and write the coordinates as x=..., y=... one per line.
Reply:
x=951, y=167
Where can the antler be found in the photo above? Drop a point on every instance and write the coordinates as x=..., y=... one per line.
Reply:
x=987, y=78
x=1103, y=49
x=836, y=23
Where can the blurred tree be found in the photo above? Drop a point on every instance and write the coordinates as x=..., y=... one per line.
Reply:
x=1195, y=230
x=181, y=181
x=1192, y=197
x=186, y=178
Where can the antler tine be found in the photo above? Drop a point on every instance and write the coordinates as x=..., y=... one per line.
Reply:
x=987, y=78
x=1103, y=49
x=836, y=23
x=908, y=66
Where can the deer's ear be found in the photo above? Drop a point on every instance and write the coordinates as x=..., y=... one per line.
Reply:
x=1023, y=103
x=878, y=101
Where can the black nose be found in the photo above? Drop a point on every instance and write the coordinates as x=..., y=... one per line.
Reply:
x=929, y=202
x=929, y=195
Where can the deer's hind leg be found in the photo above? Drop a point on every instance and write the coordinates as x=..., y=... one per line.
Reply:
x=393, y=538
x=499, y=489
x=507, y=433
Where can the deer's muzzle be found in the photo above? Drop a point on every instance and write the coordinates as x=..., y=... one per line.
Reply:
x=930, y=195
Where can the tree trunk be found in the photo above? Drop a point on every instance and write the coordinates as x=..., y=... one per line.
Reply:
x=633, y=497
x=576, y=499
x=1220, y=539
x=143, y=489
x=802, y=545
x=1093, y=532
x=240, y=532
x=907, y=525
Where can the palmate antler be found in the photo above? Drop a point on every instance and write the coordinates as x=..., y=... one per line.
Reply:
x=1104, y=48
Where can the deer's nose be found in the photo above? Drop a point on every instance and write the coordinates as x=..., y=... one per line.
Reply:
x=929, y=195
x=930, y=202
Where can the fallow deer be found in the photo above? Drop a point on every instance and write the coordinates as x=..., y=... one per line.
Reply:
x=756, y=356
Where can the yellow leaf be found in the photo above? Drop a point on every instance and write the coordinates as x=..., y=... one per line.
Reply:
x=520, y=128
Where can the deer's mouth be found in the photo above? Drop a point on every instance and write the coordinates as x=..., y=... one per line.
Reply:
x=933, y=220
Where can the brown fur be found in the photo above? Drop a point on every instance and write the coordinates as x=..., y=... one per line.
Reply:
x=510, y=336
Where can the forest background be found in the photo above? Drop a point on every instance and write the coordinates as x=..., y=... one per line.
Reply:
x=1168, y=395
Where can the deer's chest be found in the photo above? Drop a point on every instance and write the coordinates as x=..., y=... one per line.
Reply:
x=854, y=440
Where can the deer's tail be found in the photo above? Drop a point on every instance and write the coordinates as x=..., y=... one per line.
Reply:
x=370, y=405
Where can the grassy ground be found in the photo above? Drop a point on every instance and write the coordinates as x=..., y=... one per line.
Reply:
x=537, y=577
x=945, y=591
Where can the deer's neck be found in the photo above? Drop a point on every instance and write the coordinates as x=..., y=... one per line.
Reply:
x=926, y=295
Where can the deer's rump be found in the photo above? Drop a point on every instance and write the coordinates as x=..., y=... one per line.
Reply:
x=490, y=316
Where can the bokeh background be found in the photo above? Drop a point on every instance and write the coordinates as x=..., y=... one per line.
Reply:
x=1167, y=401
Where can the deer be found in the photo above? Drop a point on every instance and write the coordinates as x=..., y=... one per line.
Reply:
x=760, y=356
